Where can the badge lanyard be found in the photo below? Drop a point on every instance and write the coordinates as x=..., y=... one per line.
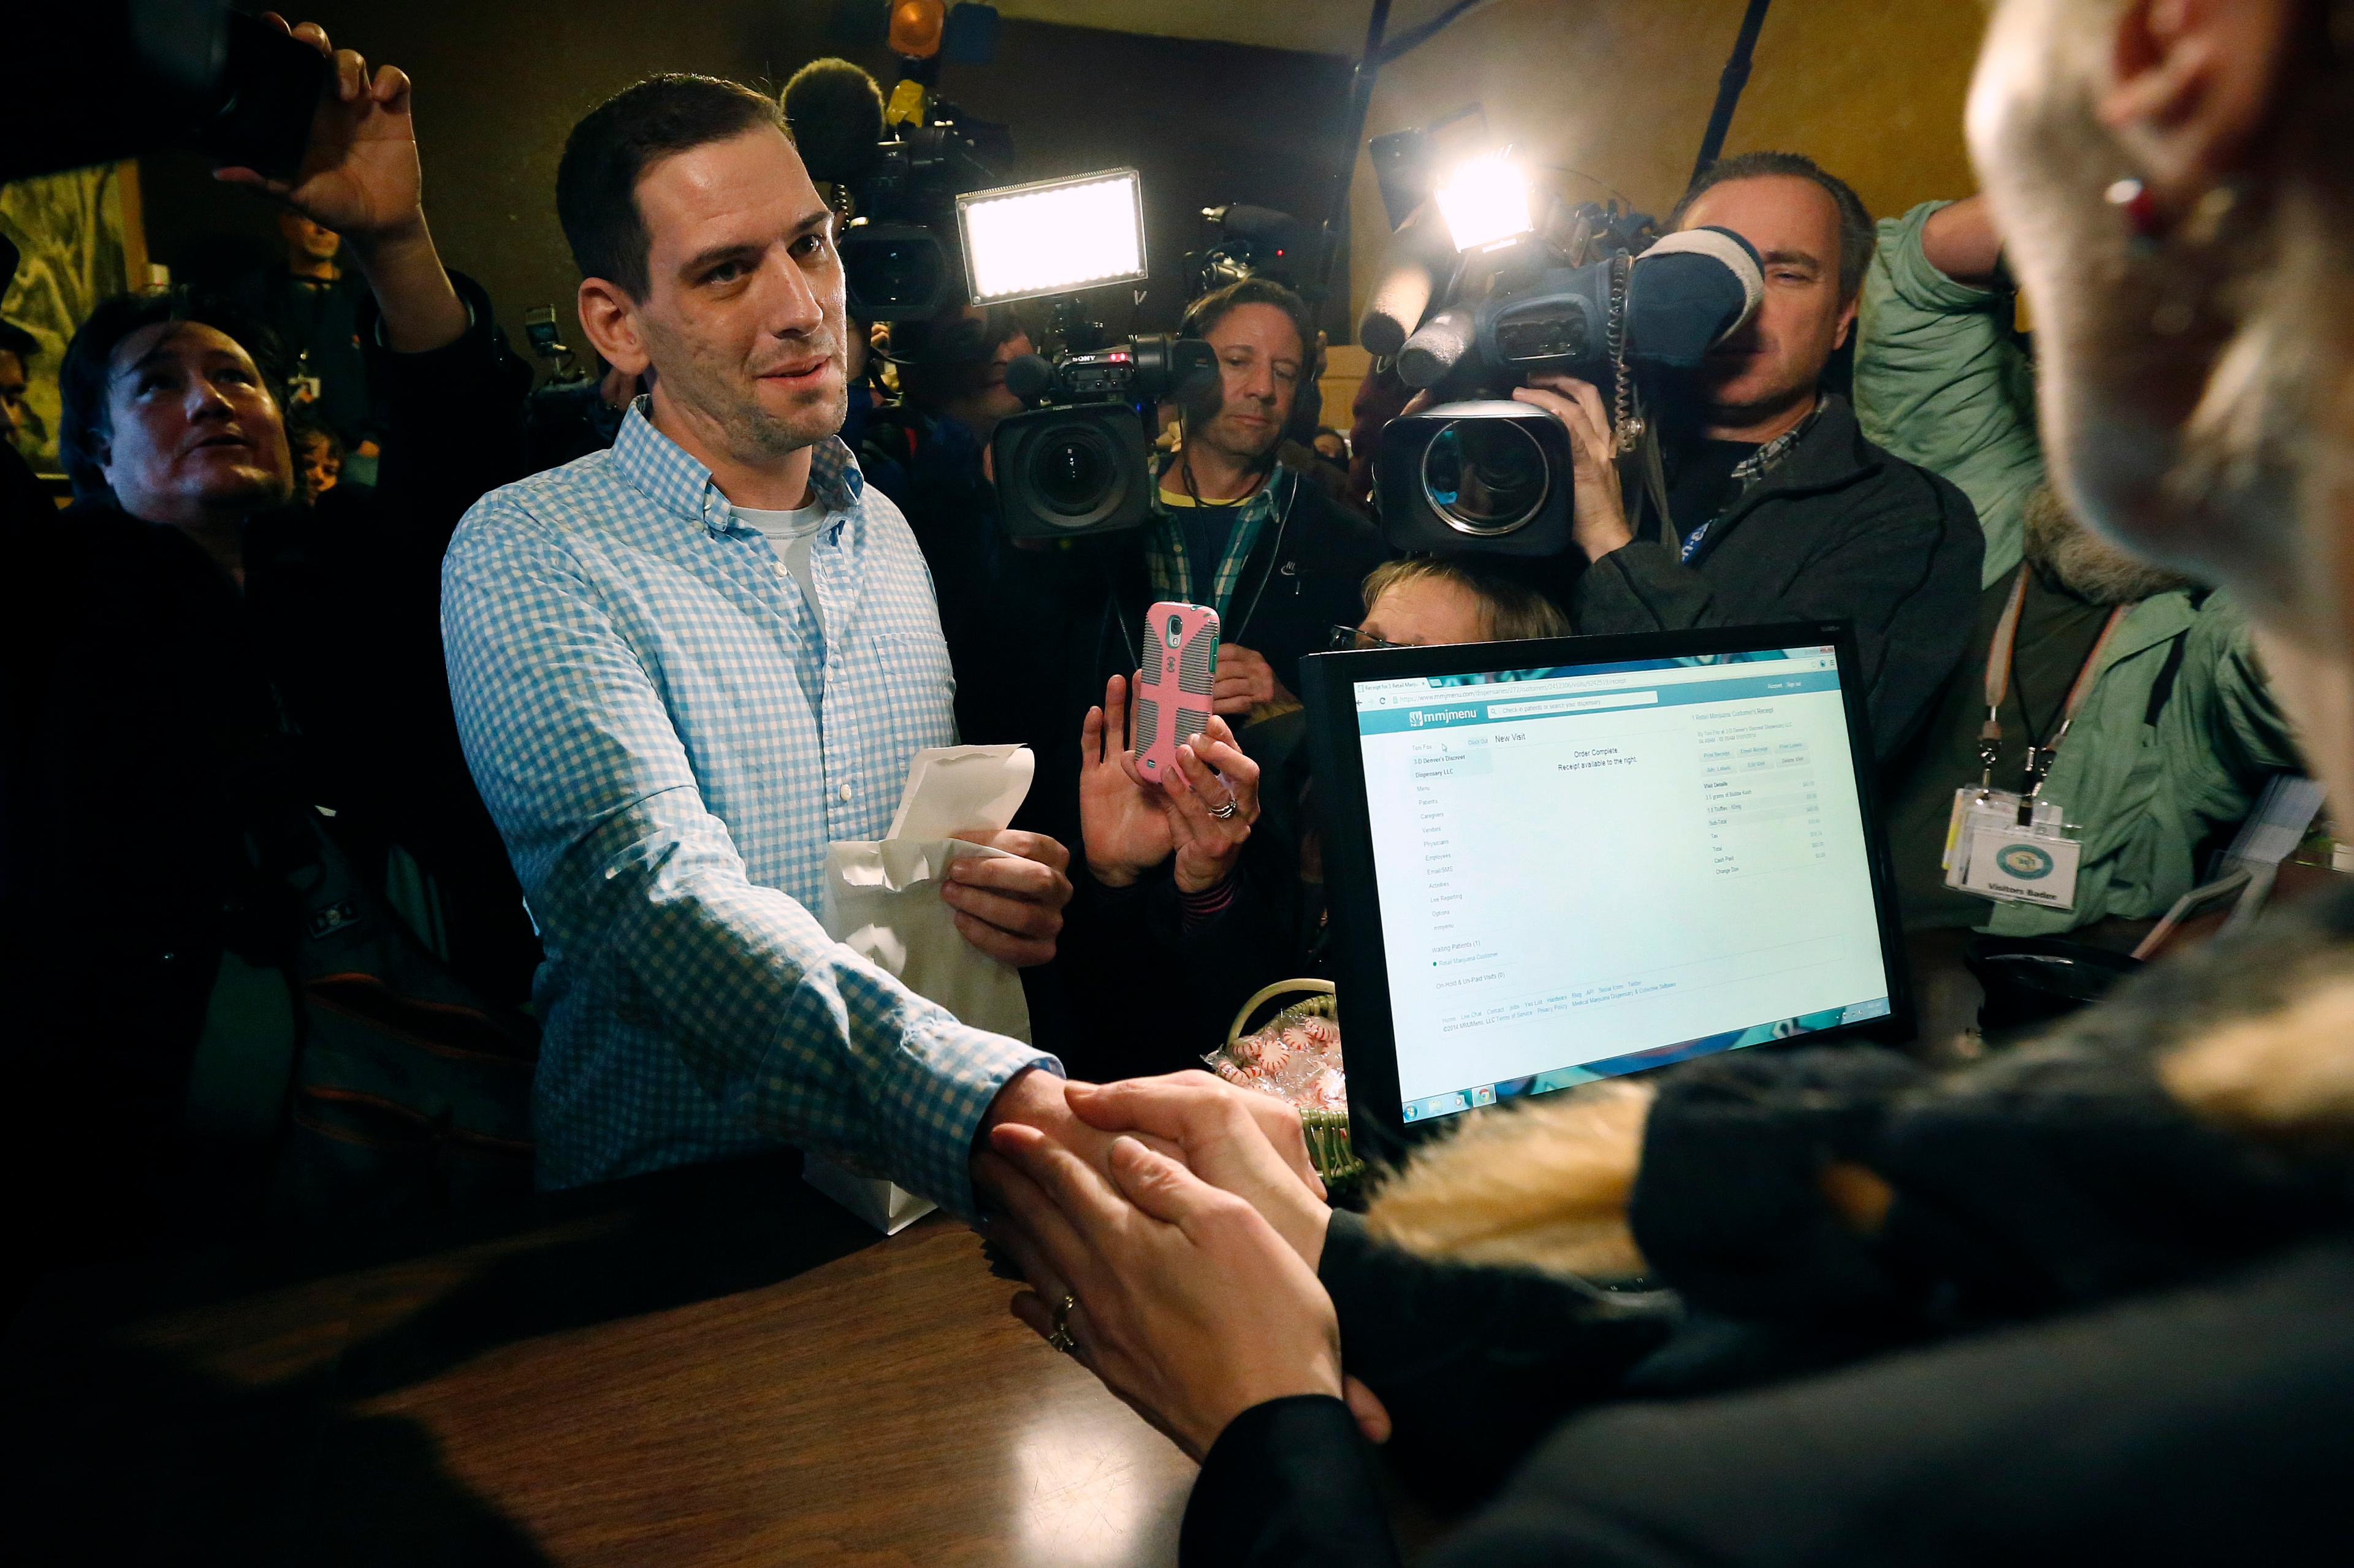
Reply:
x=2000, y=658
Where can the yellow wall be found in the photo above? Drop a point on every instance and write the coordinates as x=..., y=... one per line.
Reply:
x=1621, y=91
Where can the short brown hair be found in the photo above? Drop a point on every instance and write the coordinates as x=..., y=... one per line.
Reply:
x=1511, y=610
x=614, y=145
x=1857, y=235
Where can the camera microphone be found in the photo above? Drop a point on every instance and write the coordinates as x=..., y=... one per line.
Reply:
x=1029, y=376
x=1418, y=258
x=834, y=112
x=1437, y=346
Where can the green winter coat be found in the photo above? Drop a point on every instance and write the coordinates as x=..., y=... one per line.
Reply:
x=2179, y=731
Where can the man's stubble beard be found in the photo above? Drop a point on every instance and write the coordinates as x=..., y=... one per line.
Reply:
x=723, y=399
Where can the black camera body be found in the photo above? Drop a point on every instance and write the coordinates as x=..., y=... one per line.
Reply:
x=900, y=259
x=1252, y=242
x=1463, y=475
x=1078, y=465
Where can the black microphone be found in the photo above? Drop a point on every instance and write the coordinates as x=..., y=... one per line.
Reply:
x=834, y=112
x=1028, y=376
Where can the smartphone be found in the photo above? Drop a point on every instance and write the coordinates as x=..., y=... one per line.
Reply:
x=269, y=89
x=1172, y=694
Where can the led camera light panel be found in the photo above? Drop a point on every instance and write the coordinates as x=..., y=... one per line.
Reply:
x=1585, y=871
x=1053, y=236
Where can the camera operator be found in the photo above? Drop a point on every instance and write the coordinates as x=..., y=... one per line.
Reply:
x=1236, y=529
x=2174, y=729
x=1772, y=505
x=936, y=441
x=197, y=663
x=1233, y=902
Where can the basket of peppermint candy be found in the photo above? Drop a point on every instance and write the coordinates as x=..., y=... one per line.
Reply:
x=1296, y=1056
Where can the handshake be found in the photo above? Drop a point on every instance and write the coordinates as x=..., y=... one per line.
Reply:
x=1142, y=1216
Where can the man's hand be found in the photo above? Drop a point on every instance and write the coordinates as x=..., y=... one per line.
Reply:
x=1245, y=680
x=1123, y=826
x=1206, y=845
x=1598, y=523
x=1236, y=1140
x=1158, y=1261
x=359, y=176
x=1011, y=906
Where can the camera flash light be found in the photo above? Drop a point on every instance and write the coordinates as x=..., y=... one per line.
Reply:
x=1022, y=241
x=1485, y=199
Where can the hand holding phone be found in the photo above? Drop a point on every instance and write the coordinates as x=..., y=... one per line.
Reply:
x=1173, y=690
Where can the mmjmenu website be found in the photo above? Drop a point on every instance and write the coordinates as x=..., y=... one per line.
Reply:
x=1588, y=870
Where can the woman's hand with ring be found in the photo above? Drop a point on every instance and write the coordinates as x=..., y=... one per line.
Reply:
x=1157, y=1260
x=1212, y=802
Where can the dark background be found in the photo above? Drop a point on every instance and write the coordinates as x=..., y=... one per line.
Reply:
x=498, y=87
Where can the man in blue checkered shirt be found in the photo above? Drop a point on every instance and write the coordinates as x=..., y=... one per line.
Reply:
x=682, y=667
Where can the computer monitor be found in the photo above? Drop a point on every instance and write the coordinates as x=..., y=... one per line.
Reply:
x=1553, y=862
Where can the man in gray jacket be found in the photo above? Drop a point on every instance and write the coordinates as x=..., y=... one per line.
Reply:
x=1769, y=505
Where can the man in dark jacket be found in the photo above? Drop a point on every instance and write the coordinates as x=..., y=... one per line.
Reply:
x=1231, y=528
x=194, y=664
x=1769, y=505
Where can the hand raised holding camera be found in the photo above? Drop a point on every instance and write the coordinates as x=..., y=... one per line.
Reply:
x=359, y=176
x=1599, y=522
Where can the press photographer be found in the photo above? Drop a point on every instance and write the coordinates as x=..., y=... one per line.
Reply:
x=1753, y=497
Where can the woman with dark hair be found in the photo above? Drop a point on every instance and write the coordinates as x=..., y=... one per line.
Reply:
x=197, y=661
x=2092, y=1300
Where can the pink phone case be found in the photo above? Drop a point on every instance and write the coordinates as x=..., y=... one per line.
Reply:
x=1173, y=699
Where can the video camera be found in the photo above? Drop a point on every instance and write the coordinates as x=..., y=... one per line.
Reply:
x=1252, y=242
x=1076, y=462
x=1077, y=465
x=895, y=192
x=1589, y=292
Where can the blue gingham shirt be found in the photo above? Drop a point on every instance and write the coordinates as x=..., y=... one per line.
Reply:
x=668, y=742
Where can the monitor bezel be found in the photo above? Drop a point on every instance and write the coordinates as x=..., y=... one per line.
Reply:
x=1353, y=896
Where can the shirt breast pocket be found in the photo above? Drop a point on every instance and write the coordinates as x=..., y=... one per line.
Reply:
x=915, y=686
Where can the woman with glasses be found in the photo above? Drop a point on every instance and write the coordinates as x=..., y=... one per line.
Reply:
x=1218, y=879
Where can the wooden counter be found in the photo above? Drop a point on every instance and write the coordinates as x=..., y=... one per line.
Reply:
x=704, y=1367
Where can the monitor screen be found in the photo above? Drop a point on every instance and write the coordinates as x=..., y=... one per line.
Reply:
x=1587, y=870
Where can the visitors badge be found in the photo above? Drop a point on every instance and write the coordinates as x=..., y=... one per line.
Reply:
x=1988, y=853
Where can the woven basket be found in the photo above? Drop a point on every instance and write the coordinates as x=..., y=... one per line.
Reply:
x=1327, y=1131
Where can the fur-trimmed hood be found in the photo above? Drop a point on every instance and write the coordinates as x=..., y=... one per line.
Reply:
x=2204, y=1111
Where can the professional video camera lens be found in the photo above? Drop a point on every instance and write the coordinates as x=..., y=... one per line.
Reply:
x=1072, y=470
x=1485, y=477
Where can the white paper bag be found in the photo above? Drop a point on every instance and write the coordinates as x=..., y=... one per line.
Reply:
x=883, y=902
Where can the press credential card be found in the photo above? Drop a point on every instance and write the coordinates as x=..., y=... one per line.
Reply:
x=2021, y=867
